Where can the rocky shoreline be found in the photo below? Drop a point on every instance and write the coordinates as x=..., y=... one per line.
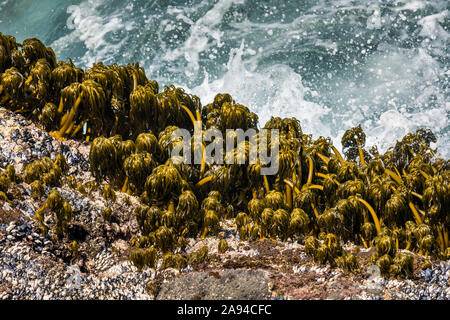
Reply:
x=36, y=267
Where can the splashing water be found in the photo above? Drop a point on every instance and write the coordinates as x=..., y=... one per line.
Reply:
x=331, y=64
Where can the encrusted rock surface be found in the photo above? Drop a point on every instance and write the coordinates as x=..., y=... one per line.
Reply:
x=37, y=267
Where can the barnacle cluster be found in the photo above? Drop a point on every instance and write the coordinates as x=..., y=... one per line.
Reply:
x=392, y=201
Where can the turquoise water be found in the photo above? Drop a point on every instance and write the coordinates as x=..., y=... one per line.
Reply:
x=332, y=64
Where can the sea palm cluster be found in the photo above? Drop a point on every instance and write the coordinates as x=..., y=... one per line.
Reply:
x=8, y=178
x=392, y=201
x=72, y=103
x=41, y=175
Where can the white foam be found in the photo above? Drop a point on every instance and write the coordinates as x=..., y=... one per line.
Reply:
x=273, y=91
x=411, y=5
x=374, y=21
x=91, y=28
x=203, y=34
x=394, y=125
x=431, y=26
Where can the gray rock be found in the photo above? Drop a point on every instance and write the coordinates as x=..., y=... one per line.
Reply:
x=230, y=285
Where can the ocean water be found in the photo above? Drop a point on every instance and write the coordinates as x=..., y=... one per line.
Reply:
x=332, y=64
